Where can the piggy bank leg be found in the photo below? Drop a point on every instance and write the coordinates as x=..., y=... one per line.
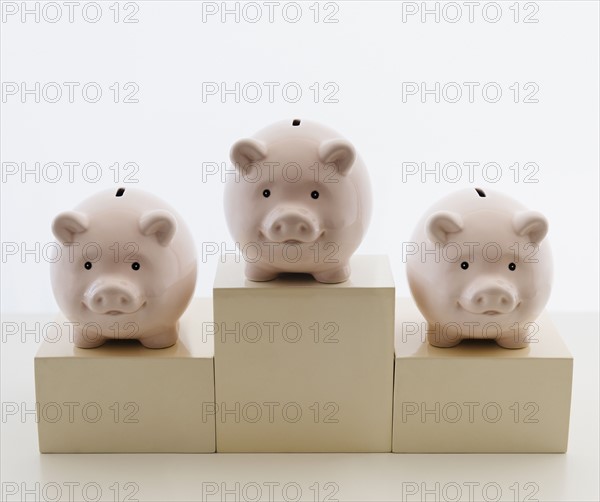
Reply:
x=259, y=274
x=88, y=340
x=162, y=340
x=334, y=275
x=439, y=337
x=513, y=340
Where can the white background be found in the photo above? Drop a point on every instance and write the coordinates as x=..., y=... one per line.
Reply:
x=368, y=55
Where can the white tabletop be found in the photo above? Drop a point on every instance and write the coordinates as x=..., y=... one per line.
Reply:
x=29, y=475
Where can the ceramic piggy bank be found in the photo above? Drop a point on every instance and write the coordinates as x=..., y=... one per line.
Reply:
x=300, y=201
x=479, y=266
x=127, y=268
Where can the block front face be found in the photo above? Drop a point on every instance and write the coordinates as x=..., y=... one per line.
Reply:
x=479, y=397
x=302, y=366
x=126, y=405
x=125, y=398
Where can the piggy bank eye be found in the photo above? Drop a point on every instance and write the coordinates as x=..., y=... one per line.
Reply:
x=135, y=265
x=464, y=265
x=87, y=265
x=266, y=193
x=314, y=194
x=512, y=266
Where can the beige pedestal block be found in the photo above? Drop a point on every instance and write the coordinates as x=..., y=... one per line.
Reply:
x=124, y=398
x=302, y=366
x=477, y=396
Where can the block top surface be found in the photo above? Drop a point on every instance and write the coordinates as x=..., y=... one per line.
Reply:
x=192, y=343
x=368, y=271
x=412, y=343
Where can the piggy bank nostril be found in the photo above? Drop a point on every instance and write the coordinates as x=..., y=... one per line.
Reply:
x=493, y=300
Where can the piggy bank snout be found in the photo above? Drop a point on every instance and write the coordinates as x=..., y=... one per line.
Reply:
x=113, y=296
x=291, y=225
x=490, y=297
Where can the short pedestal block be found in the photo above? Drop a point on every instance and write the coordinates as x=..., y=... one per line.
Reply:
x=124, y=398
x=478, y=397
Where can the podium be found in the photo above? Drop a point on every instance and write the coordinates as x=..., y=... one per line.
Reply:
x=302, y=366
x=124, y=398
x=478, y=397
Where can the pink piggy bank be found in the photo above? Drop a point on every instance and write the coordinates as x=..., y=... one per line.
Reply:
x=127, y=268
x=300, y=201
x=479, y=266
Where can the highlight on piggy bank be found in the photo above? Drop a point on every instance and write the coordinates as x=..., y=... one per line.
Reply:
x=127, y=268
x=300, y=202
x=479, y=266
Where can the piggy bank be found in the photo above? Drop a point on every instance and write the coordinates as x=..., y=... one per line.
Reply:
x=300, y=201
x=479, y=266
x=127, y=268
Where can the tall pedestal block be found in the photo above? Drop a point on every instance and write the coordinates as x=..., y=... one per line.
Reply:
x=478, y=397
x=124, y=398
x=302, y=366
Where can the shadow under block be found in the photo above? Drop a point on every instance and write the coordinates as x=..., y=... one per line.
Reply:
x=124, y=398
x=478, y=397
x=302, y=366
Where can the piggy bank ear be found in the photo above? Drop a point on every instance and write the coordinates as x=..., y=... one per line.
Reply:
x=246, y=151
x=532, y=224
x=160, y=223
x=66, y=225
x=338, y=152
x=440, y=225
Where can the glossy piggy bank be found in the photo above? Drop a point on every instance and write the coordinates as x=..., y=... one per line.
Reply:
x=479, y=266
x=127, y=268
x=300, y=201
